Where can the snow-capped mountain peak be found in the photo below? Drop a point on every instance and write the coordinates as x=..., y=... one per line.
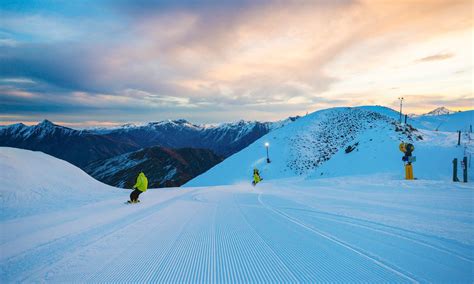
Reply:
x=15, y=127
x=45, y=128
x=171, y=123
x=39, y=131
x=439, y=111
x=45, y=124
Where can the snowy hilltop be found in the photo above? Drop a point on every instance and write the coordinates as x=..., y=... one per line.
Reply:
x=315, y=147
x=34, y=182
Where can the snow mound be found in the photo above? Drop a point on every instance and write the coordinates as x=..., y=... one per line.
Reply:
x=32, y=182
x=320, y=139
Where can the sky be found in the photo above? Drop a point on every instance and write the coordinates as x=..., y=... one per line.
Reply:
x=105, y=63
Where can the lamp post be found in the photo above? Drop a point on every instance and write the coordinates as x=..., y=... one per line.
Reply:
x=401, y=102
x=268, y=157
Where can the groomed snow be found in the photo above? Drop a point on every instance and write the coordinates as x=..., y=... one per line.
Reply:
x=352, y=229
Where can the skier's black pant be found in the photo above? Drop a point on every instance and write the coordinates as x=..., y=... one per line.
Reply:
x=134, y=195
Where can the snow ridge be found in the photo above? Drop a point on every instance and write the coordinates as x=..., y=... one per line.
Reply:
x=39, y=131
x=332, y=131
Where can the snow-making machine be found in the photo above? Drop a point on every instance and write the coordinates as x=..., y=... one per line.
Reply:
x=408, y=159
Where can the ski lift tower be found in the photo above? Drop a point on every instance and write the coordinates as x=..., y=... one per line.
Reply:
x=401, y=103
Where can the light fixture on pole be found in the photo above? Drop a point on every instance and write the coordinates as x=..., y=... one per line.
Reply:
x=268, y=157
x=401, y=102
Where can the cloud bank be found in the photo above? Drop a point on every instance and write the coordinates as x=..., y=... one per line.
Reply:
x=119, y=61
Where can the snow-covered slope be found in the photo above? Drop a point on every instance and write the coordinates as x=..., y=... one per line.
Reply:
x=314, y=147
x=437, y=120
x=446, y=122
x=59, y=226
x=34, y=182
x=386, y=111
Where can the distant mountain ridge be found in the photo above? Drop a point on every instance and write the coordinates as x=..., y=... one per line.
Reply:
x=81, y=147
x=78, y=147
x=224, y=139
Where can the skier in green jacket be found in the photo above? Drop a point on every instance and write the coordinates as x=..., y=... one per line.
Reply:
x=256, y=177
x=140, y=186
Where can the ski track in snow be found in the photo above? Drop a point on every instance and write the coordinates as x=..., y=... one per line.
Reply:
x=229, y=234
x=387, y=230
x=341, y=243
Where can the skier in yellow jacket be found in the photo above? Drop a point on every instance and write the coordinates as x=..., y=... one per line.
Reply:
x=140, y=186
x=256, y=177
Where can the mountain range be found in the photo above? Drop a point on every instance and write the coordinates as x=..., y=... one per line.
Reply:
x=78, y=147
x=94, y=149
x=224, y=139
